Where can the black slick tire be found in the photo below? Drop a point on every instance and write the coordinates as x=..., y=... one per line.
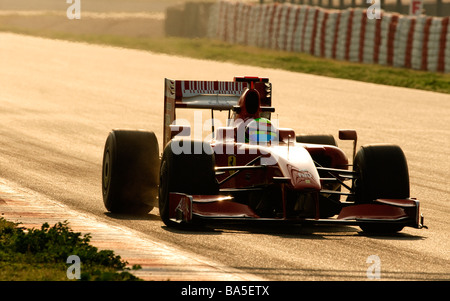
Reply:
x=190, y=172
x=130, y=172
x=382, y=173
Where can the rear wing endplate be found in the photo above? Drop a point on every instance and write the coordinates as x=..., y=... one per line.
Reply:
x=214, y=95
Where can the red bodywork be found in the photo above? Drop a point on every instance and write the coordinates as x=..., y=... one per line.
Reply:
x=284, y=174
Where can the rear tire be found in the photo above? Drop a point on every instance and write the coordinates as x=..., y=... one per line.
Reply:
x=130, y=172
x=383, y=173
x=187, y=172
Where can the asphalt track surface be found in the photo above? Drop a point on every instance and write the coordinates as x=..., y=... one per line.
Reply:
x=59, y=100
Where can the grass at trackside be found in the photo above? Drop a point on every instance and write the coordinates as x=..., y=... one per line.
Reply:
x=41, y=255
x=296, y=62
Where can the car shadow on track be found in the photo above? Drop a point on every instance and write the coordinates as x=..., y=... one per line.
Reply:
x=288, y=231
x=282, y=230
x=395, y=236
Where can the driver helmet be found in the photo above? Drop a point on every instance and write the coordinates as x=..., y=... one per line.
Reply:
x=260, y=130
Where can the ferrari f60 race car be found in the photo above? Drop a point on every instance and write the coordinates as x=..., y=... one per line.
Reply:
x=252, y=170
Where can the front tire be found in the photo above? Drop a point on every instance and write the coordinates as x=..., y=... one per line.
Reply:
x=186, y=172
x=382, y=173
x=130, y=172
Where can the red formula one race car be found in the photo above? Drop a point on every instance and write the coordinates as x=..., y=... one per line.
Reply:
x=251, y=170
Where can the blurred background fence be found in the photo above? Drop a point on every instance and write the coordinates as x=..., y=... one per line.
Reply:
x=439, y=8
x=417, y=42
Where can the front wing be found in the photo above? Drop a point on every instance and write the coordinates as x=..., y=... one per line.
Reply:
x=219, y=208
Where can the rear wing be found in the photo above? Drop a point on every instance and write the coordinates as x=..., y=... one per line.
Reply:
x=214, y=95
